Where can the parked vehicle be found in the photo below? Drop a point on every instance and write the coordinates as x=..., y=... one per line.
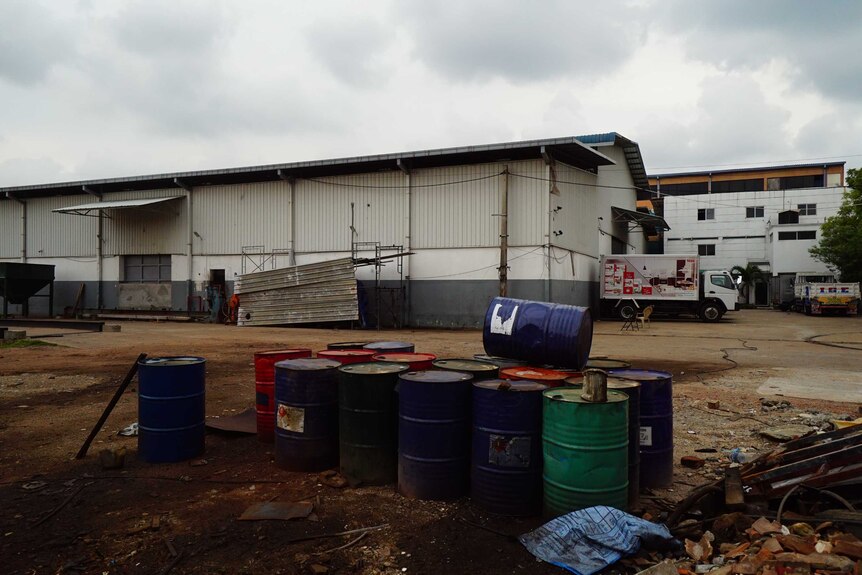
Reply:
x=816, y=294
x=672, y=284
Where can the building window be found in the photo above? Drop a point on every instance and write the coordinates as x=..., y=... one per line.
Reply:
x=706, y=249
x=754, y=212
x=147, y=269
x=751, y=185
x=706, y=214
x=807, y=209
x=801, y=235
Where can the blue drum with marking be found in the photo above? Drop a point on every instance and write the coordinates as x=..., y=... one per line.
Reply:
x=506, y=469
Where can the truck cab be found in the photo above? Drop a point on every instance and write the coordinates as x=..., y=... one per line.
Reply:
x=718, y=294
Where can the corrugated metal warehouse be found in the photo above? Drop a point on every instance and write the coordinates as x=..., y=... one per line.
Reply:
x=156, y=242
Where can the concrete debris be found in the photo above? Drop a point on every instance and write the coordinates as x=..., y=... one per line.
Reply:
x=774, y=404
x=785, y=433
x=692, y=462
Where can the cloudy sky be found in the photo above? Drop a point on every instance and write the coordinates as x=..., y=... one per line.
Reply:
x=98, y=88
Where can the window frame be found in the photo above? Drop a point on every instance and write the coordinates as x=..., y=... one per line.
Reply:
x=807, y=209
x=752, y=211
x=701, y=248
x=139, y=268
x=724, y=278
x=707, y=213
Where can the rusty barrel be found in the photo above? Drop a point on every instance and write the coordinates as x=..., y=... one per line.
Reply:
x=368, y=422
x=306, y=414
x=171, y=408
x=606, y=363
x=415, y=361
x=390, y=346
x=478, y=369
x=347, y=356
x=550, y=377
x=656, y=424
x=434, y=434
x=506, y=470
x=632, y=390
x=264, y=382
x=538, y=332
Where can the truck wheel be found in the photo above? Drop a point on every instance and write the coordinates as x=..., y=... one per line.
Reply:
x=627, y=311
x=711, y=312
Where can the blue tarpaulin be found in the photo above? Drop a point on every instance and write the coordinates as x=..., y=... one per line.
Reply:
x=588, y=540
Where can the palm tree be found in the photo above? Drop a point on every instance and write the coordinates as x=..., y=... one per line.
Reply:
x=748, y=275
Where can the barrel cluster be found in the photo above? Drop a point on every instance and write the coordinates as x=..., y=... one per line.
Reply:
x=514, y=429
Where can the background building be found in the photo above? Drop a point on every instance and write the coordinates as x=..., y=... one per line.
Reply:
x=157, y=242
x=764, y=216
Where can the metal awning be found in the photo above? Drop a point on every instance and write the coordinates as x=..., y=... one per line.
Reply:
x=86, y=209
x=644, y=220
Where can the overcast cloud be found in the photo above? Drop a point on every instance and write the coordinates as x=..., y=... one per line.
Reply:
x=94, y=88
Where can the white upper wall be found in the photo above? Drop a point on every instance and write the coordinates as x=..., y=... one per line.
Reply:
x=10, y=229
x=739, y=239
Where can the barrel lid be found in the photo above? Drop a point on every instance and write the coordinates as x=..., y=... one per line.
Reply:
x=388, y=345
x=429, y=376
x=573, y=395
x=281, y=351
x=509, y=385
x=641, y=374
x=375, y=368
x=307, y=364
x=347, y=345
x=468, y=365
x=171, y=361
x=533, y=373
x=569, y=371
x=613, y=382
x=346, y=353
x=404, y=357
x=606, y=363
x=499, y=361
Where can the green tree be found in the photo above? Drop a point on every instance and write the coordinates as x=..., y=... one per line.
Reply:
x=749, y=275
x=840, y=245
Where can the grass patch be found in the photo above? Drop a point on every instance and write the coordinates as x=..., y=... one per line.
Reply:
x=15, y=343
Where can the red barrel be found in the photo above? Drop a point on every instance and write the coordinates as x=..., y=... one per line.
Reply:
x=549, y=377
x=416, y=361
x=264, y=379
x=347, y=356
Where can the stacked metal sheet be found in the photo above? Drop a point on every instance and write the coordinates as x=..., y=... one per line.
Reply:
x=312, y=293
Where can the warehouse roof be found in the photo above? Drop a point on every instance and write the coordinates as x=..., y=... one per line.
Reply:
x=568, y=150
x=630, y=148
x=749, y=169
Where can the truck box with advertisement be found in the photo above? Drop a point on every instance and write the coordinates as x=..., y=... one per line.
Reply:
x=816, y=294
x=672, y=284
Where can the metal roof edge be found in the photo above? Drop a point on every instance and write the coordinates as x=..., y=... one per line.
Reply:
x=747, y=169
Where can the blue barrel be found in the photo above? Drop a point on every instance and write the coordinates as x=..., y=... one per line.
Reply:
x=656, y=424
x=390, y=347
x=506, y=470
x=306, y=414
x=538, y=332
x=434, y=434
x=171, y=408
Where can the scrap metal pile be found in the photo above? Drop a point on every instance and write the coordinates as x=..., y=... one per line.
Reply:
x=794, y=510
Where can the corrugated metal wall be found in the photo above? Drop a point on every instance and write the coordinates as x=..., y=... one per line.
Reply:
x=226, y=218
x=323, y=211
x=10, y=228
x=59, y=235
x=158, y=229
x=462, y=214
x=578, y=216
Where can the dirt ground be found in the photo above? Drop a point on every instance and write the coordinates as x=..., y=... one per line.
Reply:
x=182, y=518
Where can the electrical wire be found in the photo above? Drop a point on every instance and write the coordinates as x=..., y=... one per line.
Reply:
x=534, y=250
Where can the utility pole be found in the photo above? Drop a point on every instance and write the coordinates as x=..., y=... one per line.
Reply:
x=504, y=235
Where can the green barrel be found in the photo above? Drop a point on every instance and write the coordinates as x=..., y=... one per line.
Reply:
x=585, y=447
x=368, y=422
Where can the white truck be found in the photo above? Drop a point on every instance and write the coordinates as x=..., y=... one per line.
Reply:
x=816, y=294
x=672, y=284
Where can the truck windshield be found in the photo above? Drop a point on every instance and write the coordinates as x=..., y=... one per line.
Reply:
x=722, y=281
